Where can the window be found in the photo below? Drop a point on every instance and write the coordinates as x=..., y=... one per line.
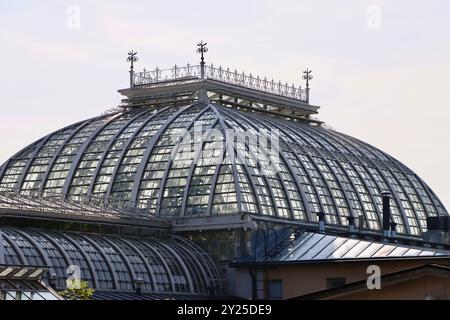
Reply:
x=275, y=289
x=335, y=282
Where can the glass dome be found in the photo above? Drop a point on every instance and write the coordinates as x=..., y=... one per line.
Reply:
x=126, y=158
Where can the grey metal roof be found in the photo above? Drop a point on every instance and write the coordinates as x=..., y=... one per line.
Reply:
x=311, y=246
x=123, y=160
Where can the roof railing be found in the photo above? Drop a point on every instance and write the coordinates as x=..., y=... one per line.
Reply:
x=163, y=76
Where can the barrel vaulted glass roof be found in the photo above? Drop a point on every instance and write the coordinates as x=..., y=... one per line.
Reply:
x=126, y=158
x=111, y=263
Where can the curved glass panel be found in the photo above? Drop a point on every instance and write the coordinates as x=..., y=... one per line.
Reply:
x=131, y=160
x=111, y=263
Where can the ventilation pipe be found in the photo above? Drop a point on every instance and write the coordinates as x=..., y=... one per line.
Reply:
x=53, y=280
x=321, y=216
x=351, y=224
x=139, y=282
x=393, y=230
x=386, y=196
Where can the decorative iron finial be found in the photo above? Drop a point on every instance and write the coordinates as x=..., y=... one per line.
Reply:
x=307, y=76
x=202, y=49
x=132, y=58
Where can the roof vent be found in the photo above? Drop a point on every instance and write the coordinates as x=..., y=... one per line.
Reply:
x=386, y=213
x=321, y=216
x=138, y=285
x=393, y=230
x=351, y=224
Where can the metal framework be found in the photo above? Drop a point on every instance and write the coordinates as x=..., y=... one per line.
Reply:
x=324, y=171
x=173, y=75
x=56, y=204
x=111, y=263
x=24, y=283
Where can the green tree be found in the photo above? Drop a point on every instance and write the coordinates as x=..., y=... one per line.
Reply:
x=77, y=290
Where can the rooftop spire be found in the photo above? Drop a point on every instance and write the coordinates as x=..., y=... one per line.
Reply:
x=307, y=76
x=202, y=49
x=132, y=58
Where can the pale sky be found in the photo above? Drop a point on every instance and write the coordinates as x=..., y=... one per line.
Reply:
x=381, y=68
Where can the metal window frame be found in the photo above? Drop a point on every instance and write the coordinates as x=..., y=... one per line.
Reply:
x=149, y=151
x=169, y=167
x=282, y=182
x=296, y=182
x=81, y=151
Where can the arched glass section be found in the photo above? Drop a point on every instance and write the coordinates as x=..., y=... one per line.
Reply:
x=111, y=263
x=131, y=160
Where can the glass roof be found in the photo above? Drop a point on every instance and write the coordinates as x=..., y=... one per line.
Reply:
x=46, y=205
x=125, y=160
x=112, y=263
x=18, y=289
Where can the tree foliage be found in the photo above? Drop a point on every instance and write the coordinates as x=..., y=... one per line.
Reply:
x=77, y=290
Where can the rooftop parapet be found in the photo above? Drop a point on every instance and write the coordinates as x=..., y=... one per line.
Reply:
x=203, y=83
x=162, y=77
